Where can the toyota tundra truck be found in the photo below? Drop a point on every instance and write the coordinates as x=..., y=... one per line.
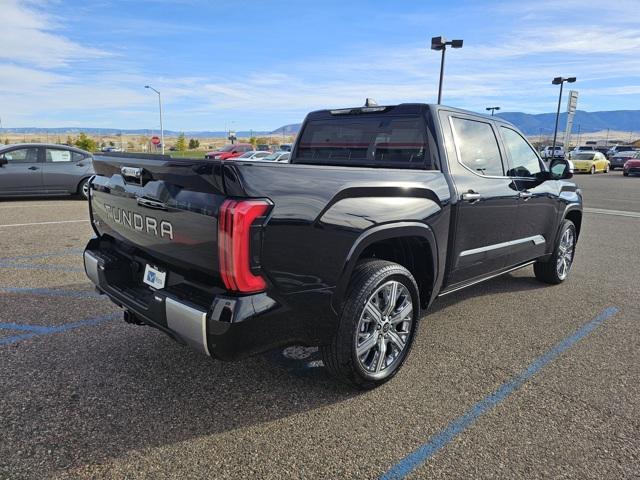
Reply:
x=380, y=211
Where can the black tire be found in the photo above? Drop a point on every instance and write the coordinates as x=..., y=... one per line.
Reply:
x=340, y=356
x=548, y=272
x=593, y=170
x=626, y=174
x=82, y=193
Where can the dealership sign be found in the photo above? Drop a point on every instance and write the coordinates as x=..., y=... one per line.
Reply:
x=572, y=104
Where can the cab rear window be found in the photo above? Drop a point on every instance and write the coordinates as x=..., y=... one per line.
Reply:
x=365, y=140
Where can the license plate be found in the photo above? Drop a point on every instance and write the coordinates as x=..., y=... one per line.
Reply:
x=154, y=277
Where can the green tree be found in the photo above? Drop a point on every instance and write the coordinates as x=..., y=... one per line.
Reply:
x=6, y=141
x=253, y=141
x=69, y=140
x=181, y=144
x=86, y=143
x=193, y=144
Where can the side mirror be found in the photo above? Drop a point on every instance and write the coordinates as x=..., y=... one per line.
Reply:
x=3, y=161
x=561, y=169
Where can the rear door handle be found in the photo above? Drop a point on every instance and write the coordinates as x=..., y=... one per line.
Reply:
x=471, y=196
x=34, y=168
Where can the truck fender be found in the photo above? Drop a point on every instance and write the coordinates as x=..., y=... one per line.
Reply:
x=376, y=234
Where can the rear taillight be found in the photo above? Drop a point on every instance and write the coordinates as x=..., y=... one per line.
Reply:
x=237, y=225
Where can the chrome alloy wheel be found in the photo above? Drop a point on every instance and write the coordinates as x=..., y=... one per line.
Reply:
x=565, y=253
x=85, y=189
x=384, y=327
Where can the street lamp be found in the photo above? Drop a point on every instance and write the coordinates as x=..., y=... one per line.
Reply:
x=492, y=109
x=440, y=43
x=559, y=81
x=159, y=105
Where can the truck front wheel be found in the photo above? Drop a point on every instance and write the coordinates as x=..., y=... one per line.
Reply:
x=378, y=321
x=557, y=268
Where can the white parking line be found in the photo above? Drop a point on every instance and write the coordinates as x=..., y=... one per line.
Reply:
x=619, y=213
x=41, y=205
x=43, y=223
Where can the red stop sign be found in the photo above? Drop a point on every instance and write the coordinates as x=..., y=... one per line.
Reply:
x=155, y=140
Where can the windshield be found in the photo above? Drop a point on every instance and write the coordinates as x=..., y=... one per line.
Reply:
x=371, y=140
x=227, y=148
x=272, y=157
x=584, y=156
x=247, y=155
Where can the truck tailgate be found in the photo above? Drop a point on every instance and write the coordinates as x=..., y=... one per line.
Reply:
x=166, y=209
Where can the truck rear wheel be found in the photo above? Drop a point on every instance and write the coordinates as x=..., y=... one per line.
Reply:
x=557, y=268
x=378, y=321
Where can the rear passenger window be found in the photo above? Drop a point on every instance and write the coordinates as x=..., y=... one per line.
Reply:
x=477, y=146
x=56, y=155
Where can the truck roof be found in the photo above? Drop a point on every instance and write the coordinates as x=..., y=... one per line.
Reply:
x=403, y=108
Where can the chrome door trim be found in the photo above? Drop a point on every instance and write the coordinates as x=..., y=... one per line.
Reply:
x=536, y=239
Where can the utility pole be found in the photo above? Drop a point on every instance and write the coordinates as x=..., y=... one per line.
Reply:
x=160, y=106
x=607, y=141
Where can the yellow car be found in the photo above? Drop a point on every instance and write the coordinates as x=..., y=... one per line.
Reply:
x=590, y=162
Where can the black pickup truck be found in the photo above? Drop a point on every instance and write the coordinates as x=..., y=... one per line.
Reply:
x=380, y=211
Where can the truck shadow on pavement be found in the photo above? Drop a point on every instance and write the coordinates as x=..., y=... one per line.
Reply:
x=94, y=394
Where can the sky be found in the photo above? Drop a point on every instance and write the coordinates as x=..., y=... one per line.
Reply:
x=262, y=64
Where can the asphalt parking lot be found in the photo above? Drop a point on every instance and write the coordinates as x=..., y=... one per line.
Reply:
x=511, y=378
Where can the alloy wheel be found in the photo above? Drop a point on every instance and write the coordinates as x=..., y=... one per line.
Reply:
x=384, y=327
x=565, y=253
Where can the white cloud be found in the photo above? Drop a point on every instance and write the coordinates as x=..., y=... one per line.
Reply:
x=27, y=37
x=42, y=81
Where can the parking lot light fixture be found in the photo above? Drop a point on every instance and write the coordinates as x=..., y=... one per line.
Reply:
x=160, y=106
x=440, y=43
x=492, y=109
x=559, y=81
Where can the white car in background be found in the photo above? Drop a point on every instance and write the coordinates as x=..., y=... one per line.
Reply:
x=546, y=153
x=278, y=156
x=253, y=155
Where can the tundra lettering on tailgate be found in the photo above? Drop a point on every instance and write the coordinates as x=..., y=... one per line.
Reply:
x=140, y=223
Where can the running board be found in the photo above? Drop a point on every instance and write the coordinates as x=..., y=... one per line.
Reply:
x=475, y=282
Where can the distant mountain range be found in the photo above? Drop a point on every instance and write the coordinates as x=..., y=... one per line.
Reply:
x=530, y=124
x=110, y=132
x=535, y=124
x=617, y=120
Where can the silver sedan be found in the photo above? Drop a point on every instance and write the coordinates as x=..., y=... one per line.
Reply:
x=44, y=169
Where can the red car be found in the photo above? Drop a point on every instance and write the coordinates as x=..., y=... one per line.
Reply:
x=229, y=151
x=632, y=166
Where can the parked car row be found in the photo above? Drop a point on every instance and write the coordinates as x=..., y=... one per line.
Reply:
x=246, y=151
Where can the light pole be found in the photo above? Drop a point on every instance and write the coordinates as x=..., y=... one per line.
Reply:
x=440, y=43
x=159, y=105
x=492, y=109
x=559, y=81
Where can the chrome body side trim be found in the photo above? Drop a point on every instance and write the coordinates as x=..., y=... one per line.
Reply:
x=189, y=323
x=536, y=239
x=91, y=268
x=480, y=280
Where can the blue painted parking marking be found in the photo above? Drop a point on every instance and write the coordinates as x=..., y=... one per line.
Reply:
x=61, y=253
x=436, y=443
x=39, y=330
x=36, y=266
x=51, y=292
x=14, y=262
